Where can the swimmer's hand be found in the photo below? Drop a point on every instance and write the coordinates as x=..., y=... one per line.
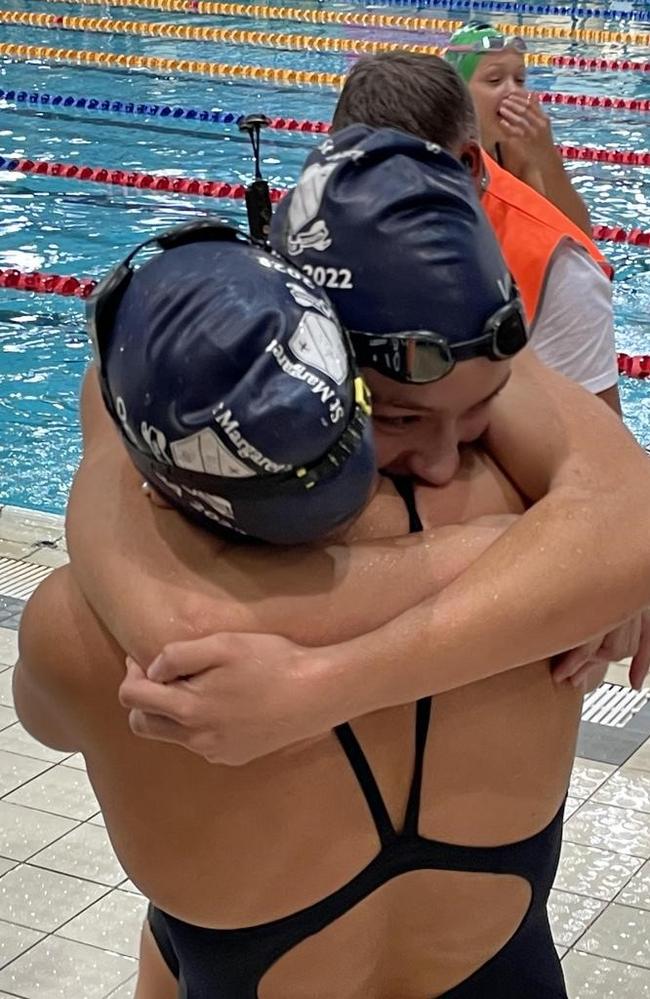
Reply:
x=234, y=697
x=631, y=639
x=240, y=697
x=525, y=124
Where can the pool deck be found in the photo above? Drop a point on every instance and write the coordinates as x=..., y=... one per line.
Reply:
x=70, y=918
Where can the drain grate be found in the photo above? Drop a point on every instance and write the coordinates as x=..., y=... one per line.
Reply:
x=20, y=579
x=613, y=705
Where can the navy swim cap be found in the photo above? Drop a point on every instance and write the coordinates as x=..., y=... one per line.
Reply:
x=234, y=388
x=392, y=227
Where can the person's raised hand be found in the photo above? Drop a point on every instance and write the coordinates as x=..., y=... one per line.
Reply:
x=524, y=122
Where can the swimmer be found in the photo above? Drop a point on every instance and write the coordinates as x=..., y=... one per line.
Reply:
x=265, y=436
x=514, y=129
x=315, y=860
x=578, y=469
x=563, y=279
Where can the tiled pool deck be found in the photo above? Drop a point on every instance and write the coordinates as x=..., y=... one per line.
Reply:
x=70, y=919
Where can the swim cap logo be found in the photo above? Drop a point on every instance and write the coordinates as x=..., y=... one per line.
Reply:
x=305, y=204
x=305, y=201
x=317, y=342
x=204, y=452
x=243, y=447
x=310, y=300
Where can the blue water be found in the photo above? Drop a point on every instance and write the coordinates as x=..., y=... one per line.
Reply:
x=75, y=228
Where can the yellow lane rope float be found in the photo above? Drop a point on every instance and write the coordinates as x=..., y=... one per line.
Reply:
x=228, y=36
x=404, y=22
x=233, y=36
x=264, y=74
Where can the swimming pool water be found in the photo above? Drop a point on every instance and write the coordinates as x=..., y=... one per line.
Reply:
x=70, y=227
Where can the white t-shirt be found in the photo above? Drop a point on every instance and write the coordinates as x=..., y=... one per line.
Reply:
x=574, y=329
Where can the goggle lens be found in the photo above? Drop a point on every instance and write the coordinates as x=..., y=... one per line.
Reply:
x=421, y=357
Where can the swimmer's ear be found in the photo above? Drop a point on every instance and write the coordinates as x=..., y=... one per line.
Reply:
x=154, y=496
x=471, y=158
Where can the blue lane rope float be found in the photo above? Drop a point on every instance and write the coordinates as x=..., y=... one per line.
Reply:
x=119, y=107
x=505, y=7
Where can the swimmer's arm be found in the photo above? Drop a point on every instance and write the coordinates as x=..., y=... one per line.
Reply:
x=44, y=686
x=35, y=709
x=575, y=564
x=151, y=585
x=559, y=190
x=153, y=578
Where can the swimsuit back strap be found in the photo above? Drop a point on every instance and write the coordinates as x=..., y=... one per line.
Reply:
x=406, y=490
x=367, y=783
x=422, y=719
x=353, y=750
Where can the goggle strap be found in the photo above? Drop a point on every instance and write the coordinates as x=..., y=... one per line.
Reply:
x=254, y=486
x=485, y=45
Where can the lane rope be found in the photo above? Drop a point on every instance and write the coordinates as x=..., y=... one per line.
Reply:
x=131, y=178
x=633, y=366
x=159, y=64
x=219, y=189
x=292, y=42
x=267, y=74
x=500, y=7
x=202, y=114
x=352, y=19
x=588, y=153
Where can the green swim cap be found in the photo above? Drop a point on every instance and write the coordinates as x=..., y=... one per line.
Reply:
x=473, y=40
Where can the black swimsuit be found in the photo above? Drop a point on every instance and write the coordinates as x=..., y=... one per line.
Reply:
x=230, y=964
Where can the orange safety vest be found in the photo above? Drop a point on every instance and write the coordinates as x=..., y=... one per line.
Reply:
x=529, y=230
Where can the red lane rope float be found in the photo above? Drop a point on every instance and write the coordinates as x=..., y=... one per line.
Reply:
x=633, y=366
x=222, y=189
x=47, y=284
x=616, y=234
x=581, y=62
x=629, y=158
x=132, y=178
x=592, y=101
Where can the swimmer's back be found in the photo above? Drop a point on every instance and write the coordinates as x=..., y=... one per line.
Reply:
x=231, y=848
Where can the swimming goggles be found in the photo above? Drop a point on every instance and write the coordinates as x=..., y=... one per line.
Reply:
x=491, y=44
x=423, y=356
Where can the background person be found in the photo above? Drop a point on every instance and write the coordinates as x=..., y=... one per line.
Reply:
x=514, y=129
x=563, y=279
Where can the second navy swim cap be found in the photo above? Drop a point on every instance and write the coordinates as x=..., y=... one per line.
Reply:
x=392, y=227
x=234, y=388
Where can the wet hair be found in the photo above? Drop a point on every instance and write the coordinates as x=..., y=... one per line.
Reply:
x=419, y=94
